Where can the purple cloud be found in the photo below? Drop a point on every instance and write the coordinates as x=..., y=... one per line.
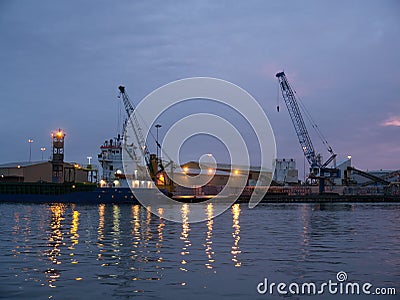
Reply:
x=392, y=121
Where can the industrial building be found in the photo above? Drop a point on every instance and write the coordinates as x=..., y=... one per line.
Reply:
x=42, y=172
x=286, y=172
x=53, y=171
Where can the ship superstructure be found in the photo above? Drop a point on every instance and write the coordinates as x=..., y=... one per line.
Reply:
x=110, y=159
x=129, y=163
x=112, y=163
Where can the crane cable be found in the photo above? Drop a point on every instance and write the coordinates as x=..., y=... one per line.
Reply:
x=148, y=130
x=277, y=95
x=312, y=122
x=314, y=125
x=119, y=117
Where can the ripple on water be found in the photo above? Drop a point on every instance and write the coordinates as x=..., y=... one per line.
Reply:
x=120, y=251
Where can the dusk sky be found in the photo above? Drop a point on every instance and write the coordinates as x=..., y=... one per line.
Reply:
x=61, y=63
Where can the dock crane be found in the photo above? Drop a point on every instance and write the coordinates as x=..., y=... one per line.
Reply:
x=319, y=170
x=153, y=163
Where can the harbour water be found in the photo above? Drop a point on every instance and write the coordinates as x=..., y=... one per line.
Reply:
x=71, y=251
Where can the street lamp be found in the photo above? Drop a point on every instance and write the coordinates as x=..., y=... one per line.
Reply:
x=304, y=164
x=89, y=158
x=158, y=145
x=30, y=141
x=42, y=149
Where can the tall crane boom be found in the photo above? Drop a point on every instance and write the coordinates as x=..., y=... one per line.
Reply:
x=137, y=130
x=154, y=165
x=297, y=120
x=319, y=170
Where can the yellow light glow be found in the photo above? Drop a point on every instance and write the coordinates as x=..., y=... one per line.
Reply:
x=74, y=228
x=208, y=250
x=185, y=233
x=136, y=233
x=116, y=223
x=185, y=169
x=135, y=183
x=103, y=183
x=161, y=178
x=236, y=172
x=235, y=251
x=100, y=229
x=59, y=134
x=210, y=171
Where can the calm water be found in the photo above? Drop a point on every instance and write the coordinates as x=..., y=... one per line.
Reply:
x=59, y=251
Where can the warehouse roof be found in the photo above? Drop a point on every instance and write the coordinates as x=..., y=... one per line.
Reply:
x=21, y=164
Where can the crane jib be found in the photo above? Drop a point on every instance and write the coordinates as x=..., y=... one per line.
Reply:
x=297, y=120
x=319, y=170
x=136, y=128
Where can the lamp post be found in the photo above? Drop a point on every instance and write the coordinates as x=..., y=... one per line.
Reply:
x=30, y=141
x=158, y=145
x=304, y=169
x=42, y=149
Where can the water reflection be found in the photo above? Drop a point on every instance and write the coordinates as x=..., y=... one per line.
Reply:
x=74, y=233
x=148, y=234
x=132, y=245
x=236, y=235
x=15, y=233
x=135, y=228
x=305, y=238
x=27, y=231
x=100, y=229
x=185, y=236
x=55, y=241
x=208, y=244
x=116, y=234
x=154, y=254
x=145, y=252
x=160, y=228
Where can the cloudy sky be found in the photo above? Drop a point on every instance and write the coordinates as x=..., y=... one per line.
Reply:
x=62, y=61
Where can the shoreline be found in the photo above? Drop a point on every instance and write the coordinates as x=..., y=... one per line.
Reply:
x=328, y=198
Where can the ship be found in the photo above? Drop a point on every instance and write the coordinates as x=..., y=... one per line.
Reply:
x=55, y=180
x=124, y=187
x=122, y=179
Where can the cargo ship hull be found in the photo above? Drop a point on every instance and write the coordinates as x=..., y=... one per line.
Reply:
x=70, y=193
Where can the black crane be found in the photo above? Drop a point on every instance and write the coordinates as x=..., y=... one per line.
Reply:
x=318, y=170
